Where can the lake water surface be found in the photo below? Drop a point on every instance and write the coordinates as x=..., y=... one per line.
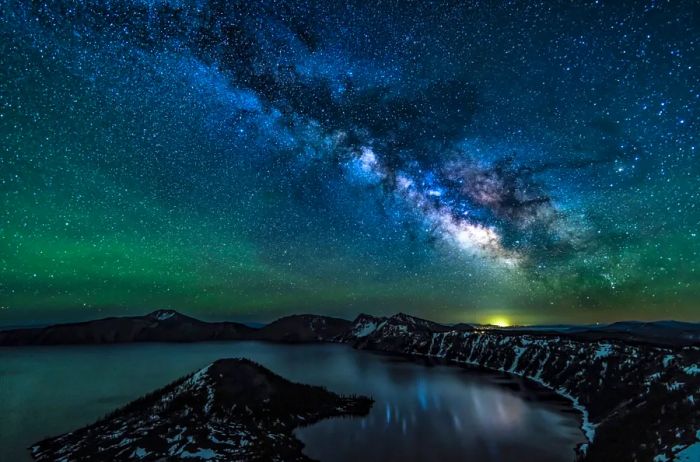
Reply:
x=422, y=412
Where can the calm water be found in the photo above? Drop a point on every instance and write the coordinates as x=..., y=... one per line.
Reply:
x=421, y=412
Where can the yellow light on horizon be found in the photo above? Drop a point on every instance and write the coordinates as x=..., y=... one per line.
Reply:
x=499, y=321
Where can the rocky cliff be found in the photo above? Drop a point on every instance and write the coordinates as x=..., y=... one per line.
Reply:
x=639, y=401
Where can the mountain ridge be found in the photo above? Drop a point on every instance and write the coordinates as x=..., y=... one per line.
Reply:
x=173, y=326
x=162, y=325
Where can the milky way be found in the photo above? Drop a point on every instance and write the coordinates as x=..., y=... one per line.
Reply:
x=455, y=160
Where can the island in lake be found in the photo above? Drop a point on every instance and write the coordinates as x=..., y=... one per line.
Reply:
x=233, y=409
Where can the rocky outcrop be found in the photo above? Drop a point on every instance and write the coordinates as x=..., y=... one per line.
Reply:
x=639, y=402
x=233, y=409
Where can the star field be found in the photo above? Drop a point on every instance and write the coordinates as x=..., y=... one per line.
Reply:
x=453, y=160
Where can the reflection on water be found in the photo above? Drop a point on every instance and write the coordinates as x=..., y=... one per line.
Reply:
x=421, y=413
x=443, y=413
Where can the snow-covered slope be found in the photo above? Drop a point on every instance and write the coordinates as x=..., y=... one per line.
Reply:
x=233, y=409
x=365, y=325
x=638, y=401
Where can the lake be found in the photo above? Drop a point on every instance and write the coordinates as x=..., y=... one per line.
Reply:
x=423, y=412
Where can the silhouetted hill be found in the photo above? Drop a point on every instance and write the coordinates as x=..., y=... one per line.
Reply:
x=665, y=332
x=304, y=328
x=662, y=333
x=171, y=326
x=158, y=326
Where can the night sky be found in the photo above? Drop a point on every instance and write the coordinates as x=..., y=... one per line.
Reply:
x=454, y=160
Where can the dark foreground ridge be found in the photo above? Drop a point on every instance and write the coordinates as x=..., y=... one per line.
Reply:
x=233, y=409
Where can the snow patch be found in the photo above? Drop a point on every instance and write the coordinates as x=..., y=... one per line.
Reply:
x=604, y=350
x=139, y=453
x=365, y=329
x=693, y=369
x=163, y=315
x=673, y=386
x=518, y=353
x=689, y=454
x=587, y=426
x=205, y=454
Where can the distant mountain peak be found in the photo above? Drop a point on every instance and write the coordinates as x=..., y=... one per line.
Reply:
x=366, y=315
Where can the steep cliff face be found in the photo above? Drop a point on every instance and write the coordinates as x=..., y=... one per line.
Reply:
x=639, y=402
